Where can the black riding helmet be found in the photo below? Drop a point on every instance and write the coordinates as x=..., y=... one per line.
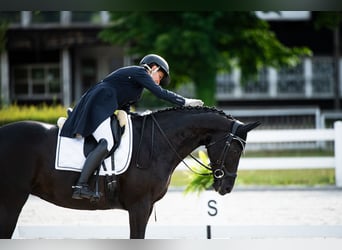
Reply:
x=151, y=59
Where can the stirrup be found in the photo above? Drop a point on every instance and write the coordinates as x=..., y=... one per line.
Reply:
x=112, y=186
x=111, y=183
x=96, y=197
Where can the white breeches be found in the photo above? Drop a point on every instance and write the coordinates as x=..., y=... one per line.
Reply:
x=104, y=131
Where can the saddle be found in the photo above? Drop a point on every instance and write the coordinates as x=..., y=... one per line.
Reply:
x=118, y=126
x=90, y=143
x=72, y=152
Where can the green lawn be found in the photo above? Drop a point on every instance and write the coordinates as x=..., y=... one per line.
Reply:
x=300, y=177
x=290, y=153
x=305, y=177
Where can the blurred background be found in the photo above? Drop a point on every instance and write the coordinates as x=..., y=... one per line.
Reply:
x=282, y=68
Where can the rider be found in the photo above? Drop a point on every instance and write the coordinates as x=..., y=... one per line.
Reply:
x=120, y=89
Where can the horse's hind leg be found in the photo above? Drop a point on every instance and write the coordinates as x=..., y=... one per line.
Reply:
x=9, y=214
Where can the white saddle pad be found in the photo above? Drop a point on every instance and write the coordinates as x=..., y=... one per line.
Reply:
x=69, y=153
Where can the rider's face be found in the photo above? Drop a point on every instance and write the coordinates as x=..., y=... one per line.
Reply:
x=157, y=75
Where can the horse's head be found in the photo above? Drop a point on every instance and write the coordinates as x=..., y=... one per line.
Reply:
x=224, y=151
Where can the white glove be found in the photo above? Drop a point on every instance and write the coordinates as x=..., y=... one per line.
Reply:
x=146, y=112
x=193, y=102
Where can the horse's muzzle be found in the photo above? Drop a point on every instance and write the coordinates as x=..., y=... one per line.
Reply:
x=223, y=191
x=221, y=188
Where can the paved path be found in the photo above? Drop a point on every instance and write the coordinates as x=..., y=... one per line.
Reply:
x=248, y=209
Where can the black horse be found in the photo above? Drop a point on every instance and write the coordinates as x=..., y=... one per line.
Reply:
x=161, y=140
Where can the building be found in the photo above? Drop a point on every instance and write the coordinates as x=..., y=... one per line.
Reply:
x=54, y=56
x=311, y=83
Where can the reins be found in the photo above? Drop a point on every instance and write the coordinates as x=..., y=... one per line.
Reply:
x=219, y=172
x=176, y=153
x=141, y=139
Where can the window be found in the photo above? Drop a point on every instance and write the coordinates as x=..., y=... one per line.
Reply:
x=258, y=85
x=291, y=80
x=323, y=71
x=36, y=81
x=86, y=17
x=45, y=17
x=10, y=16
x=88, y=73
x=225, y=83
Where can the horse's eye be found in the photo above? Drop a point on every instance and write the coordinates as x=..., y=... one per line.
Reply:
x=235, y=152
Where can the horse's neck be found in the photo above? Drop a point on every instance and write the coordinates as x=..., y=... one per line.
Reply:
x=187, y=132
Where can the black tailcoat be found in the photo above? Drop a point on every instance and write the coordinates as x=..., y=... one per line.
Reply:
x=118, y=90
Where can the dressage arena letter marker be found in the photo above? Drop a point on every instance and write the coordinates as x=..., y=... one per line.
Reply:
x=211, y=202
x=212, y=212
x=212, y=208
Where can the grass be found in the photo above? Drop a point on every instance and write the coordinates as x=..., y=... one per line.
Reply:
x=304, y=177
x=291, y=153
x=298, y=177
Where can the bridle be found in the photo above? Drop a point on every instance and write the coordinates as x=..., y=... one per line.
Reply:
x=218, y=168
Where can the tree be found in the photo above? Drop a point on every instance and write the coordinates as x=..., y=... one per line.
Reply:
x=198, y=45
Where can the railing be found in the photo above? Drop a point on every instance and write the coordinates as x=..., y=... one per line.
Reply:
x=297, y=135
x=311, y=78
x=284, y=118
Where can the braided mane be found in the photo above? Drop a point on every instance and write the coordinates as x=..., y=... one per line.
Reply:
x=196, y=109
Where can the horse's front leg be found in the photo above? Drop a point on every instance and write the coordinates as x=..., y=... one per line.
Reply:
x=139, y=215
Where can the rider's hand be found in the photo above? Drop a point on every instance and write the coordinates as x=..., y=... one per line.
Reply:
x=193, y=102
x=146, y=112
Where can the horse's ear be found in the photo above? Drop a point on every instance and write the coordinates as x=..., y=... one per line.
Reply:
x=249, y=126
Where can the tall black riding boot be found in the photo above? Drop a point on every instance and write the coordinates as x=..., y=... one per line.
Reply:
x=94, y=160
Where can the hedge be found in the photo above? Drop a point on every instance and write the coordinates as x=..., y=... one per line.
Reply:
x=43, y=113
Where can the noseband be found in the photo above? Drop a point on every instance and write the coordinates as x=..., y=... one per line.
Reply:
x=219, y=171
x=218, y=167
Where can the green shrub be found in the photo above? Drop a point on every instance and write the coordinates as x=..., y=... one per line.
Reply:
x=43, y=113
